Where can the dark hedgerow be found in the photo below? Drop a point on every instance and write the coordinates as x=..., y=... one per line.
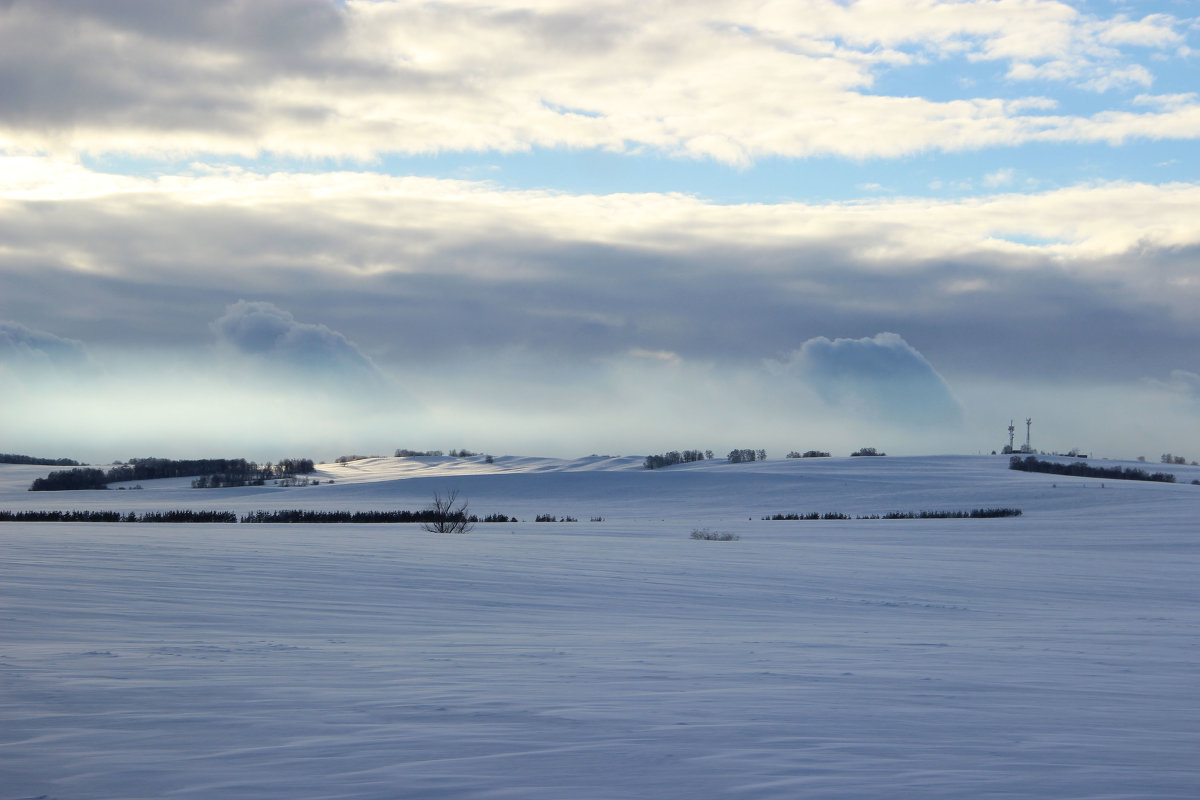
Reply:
x=660, y=460
x=61, y=516
x=285, y=516
x=1081, y=469
x=295, y=515
x=183, y=515
x=187, y=515
x=212, y=472
x=977, y=513
x=69, y=480
x=15, y=458
x=812, y=516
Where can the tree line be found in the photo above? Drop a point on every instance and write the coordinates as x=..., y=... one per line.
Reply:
x=180, y=515
x=217, y=472
x=13, y=458
x=674, y=457
x=738, y=456
x=286, y=516
x=1081, y=469
x=289, y=516
x=975, y=513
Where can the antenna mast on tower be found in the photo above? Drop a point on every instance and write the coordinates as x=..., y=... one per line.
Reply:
x=1012, y=431
x=1028, y=425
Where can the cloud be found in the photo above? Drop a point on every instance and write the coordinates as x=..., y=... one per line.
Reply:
x=1153, y=30
x=720, y=81
x=24, y=347
x=1133, y=75
x=1001, y=177
x=882, y=376
x=655, y=355
x=1181, y=384
x=1188, y=382
x=266, y=332
x=1069, y=281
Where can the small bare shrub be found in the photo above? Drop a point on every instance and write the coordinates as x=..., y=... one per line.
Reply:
x=446, y=517
x=708, y=535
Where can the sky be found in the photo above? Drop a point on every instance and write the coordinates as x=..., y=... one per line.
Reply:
x=269, y=228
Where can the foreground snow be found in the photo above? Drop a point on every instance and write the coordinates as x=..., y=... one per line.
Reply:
x=1051, y=655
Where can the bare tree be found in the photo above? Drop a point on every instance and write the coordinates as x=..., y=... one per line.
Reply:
x=446, y=517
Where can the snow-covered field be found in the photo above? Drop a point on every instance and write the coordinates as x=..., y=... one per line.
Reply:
x=1053, y=655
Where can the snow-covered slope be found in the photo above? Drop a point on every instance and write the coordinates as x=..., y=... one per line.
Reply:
x=1049, y=655
x=619, y=488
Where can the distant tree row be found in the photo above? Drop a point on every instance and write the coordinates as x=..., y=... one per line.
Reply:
x=186, y=515
x=675, y=457
x=61, y=516
x=13, y=458
x=225, y=471
x=738, y=456
x=454, y=517
x=1167, y=458
x=348, y=459
x=282, y=516
x=809, y=516
x=75, y=479
x=142, y=469
x=1080, y=469
x=749, y=455
x=404, y=452
x=298, y=516
x=975, y=513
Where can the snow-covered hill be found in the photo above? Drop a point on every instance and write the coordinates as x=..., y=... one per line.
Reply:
x=621, y=489
x=1047, y=655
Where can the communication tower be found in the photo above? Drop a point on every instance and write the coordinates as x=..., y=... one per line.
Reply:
x=1011, y=447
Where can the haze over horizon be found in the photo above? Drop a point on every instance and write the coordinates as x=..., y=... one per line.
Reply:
x=307, y=227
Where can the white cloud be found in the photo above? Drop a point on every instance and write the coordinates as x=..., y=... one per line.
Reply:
x=1166, y=100
x=721, y=80
x=1153, y=30
x=1090, y=220
x=1001, y=177
x=1133, y=75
